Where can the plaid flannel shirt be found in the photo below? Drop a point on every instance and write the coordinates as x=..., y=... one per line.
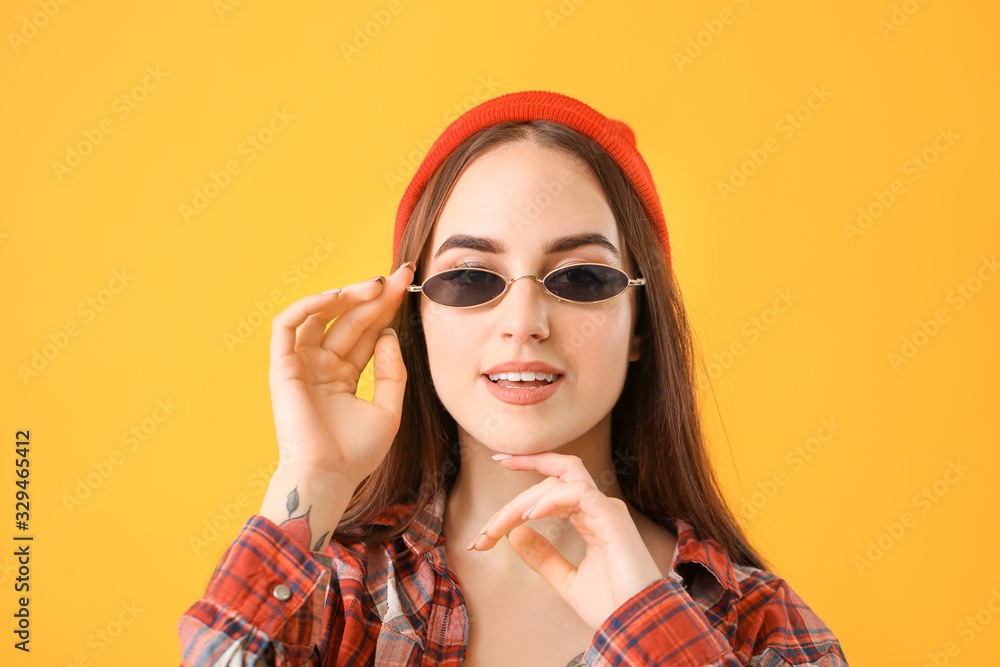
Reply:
x=269, y=602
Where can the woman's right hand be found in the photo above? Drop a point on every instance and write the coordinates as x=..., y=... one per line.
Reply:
x=321, y=425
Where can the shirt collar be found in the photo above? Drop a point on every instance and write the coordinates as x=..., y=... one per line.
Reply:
x=425, y=536
x=692, y=548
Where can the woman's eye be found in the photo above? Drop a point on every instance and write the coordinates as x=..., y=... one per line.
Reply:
x=580, y=274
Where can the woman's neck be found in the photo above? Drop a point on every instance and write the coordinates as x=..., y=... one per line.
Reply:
x=483, y=486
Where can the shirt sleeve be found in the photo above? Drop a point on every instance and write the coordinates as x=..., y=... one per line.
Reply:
x=264, y=604
x=662, y=625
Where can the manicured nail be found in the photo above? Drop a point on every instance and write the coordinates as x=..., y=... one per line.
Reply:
x=388, y=331
x=528, y=513
x=500, y=457
x=409, y=264
x=474, y=542
x=335, y=290
x=381, y=279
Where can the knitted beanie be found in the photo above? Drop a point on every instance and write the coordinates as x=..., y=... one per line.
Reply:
x=614, y=136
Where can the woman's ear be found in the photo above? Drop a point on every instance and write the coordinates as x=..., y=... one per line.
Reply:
x=635, y=351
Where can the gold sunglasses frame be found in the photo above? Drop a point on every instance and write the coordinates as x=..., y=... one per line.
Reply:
x=636, y=282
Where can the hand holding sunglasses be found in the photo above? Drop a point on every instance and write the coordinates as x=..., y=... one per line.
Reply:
x=329, y=439
x=468, y=287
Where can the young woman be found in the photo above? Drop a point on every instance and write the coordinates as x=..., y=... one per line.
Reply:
x=530, y=484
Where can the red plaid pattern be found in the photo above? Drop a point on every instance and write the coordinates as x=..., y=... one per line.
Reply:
x=269, y=602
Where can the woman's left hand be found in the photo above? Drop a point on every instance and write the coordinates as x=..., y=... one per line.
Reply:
x=617, y=564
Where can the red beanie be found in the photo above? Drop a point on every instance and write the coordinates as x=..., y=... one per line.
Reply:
x=613, y=136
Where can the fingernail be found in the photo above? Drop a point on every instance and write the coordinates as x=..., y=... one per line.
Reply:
x=387, y=331
x=500, y=457
x=528, y=513
x=473, y=543
x=335, y=290
x=381, y=279
x=409, y=264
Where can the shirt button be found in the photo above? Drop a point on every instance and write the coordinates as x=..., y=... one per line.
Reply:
x=282, y=592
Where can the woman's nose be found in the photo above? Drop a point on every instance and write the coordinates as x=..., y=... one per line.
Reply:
x=523, y=310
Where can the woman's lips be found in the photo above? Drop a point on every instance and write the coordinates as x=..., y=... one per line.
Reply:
x=524, y=394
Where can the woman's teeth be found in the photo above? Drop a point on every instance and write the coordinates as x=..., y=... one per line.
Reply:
x=526, y=376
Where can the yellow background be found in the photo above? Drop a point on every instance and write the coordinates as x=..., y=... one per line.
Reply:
x=357, y=118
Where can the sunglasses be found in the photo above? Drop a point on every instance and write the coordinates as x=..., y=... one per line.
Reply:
x=577, y=283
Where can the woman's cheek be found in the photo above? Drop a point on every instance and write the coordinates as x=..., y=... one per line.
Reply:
x=452, y=367
x=607, y=349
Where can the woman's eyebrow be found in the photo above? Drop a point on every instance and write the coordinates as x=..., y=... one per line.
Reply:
x=489, y=245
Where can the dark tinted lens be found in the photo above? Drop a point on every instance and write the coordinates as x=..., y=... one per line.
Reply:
x=587, y=282
x=463, y=287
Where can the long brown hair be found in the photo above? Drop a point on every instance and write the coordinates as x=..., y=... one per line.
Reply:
x=655, y=424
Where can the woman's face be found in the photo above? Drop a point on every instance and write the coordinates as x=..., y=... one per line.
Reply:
x=521, y=199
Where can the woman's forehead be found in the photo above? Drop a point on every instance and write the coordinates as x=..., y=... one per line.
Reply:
x=525, y=195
